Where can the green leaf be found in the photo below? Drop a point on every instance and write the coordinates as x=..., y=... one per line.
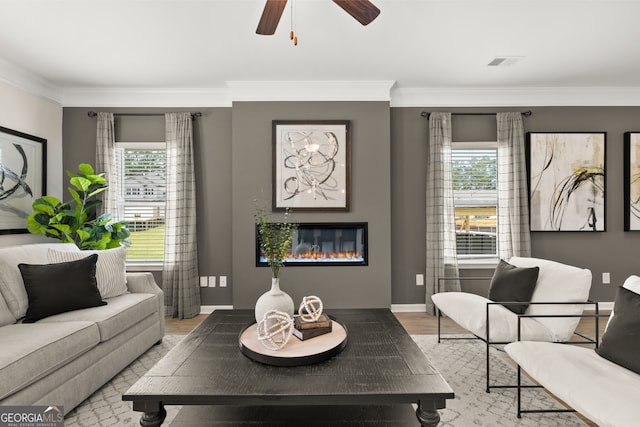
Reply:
x=98, y=191
x=86, y=169
x=43, y=208
x=34, y=226
x=80, y=183
x=75, y=196
x=64, y=228
x=83, y=235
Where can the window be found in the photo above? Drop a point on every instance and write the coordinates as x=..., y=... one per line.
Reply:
x=475, y=178
x=142, y=171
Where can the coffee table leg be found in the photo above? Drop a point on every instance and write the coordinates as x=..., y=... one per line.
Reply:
x=153, y=413
x=427, y=417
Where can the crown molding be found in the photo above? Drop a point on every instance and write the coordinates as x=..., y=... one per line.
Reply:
x=29, y=82
x=343, y=90
x=516, y=96
x=146, y=97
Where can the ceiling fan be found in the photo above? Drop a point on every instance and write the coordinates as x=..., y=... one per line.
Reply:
x=362, y=10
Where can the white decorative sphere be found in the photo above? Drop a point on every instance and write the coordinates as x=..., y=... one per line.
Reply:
x=310, y=308
x=274, y=330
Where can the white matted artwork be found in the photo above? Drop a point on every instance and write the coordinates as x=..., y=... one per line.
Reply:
x=311, y=165
x=566, y=181
x=632, y=181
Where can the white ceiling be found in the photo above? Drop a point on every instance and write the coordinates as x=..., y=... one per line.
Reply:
x=88, y=51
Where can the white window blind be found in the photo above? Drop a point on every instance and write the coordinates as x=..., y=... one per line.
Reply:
x=475, y=175
x=142, y=168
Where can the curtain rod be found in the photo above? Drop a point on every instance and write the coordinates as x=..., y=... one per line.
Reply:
x=94, y=114
x=426, y=114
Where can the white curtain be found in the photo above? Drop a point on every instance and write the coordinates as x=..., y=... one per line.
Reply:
x=513, y=196
x=441, y=234
x=180, y=270
x=106, y=163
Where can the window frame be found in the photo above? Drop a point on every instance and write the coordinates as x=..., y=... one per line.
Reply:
x=478, y=261
x=143, y=265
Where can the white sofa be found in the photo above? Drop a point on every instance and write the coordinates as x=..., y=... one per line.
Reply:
x=62, y=359
x=601, y=390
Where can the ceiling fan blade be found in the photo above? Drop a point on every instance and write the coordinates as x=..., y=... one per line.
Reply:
x=362, y=10
x=271, y=16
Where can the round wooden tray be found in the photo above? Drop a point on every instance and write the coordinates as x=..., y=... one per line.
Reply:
x=296, y=352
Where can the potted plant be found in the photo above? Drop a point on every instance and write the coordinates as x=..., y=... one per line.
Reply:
x=75, y=221
x=275, y=241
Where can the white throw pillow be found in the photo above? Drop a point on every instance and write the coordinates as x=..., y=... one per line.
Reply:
x=110, y=268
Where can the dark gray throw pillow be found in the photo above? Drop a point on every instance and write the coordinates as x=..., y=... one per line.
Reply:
x=62, y=287
x=621, y=341
x=511, y=283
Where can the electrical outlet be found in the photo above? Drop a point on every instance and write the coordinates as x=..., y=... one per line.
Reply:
x=223, y=281
x=606, y=278
x=419, y=279
x=203, y=281
x=212, y=281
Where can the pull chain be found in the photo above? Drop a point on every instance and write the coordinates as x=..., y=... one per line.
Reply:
x=292, y=33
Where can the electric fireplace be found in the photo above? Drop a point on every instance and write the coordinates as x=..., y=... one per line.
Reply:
x=324, y=244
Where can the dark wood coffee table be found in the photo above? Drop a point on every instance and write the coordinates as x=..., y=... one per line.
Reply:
x=374, y=381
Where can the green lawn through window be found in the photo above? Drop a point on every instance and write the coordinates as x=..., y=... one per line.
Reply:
x=147, y=245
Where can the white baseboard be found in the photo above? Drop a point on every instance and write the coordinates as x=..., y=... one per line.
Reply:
x=208, y=309
x=605, y=305
x=406, y=308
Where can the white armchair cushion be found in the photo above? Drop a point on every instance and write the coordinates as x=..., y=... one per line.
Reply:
x=469, y=311
x=557, y=282
x=587, y=382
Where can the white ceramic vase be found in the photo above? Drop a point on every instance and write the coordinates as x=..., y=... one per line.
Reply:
x=274, y=299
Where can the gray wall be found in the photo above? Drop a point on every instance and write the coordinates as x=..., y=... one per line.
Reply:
x=212, y=148
x=233, y=148
x=612, y=251
x=338, y=287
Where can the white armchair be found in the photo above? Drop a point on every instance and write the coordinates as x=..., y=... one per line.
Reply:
x=557, y=289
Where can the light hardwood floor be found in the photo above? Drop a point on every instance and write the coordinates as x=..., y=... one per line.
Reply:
x=414, y=322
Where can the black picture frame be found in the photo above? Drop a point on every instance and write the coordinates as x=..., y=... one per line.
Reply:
x=631, y=181
x=311, y=165
x=566, y=175
x=23, y=178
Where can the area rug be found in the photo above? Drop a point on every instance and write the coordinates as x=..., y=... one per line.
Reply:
x=461, y=363
x=105, y=407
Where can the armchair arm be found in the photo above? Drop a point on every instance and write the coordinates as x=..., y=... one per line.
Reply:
x=521, y=316
x=596, y=316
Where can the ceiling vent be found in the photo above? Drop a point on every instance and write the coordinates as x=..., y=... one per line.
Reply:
x=505, y=61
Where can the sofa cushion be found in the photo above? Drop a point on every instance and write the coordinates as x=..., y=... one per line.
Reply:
x=600, y=390
x=6, y=317
x=621, y=342
x=121, y=313
x=469, y=311
x=557, y=282
x=62, y=287
x=48, y=347
x=110, y=269
x=511, y=283
x=11, y=284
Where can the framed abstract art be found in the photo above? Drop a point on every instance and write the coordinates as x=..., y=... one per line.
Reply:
x=632, y=181
x=566, y=174
x=311, y=165
x=23, y=175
